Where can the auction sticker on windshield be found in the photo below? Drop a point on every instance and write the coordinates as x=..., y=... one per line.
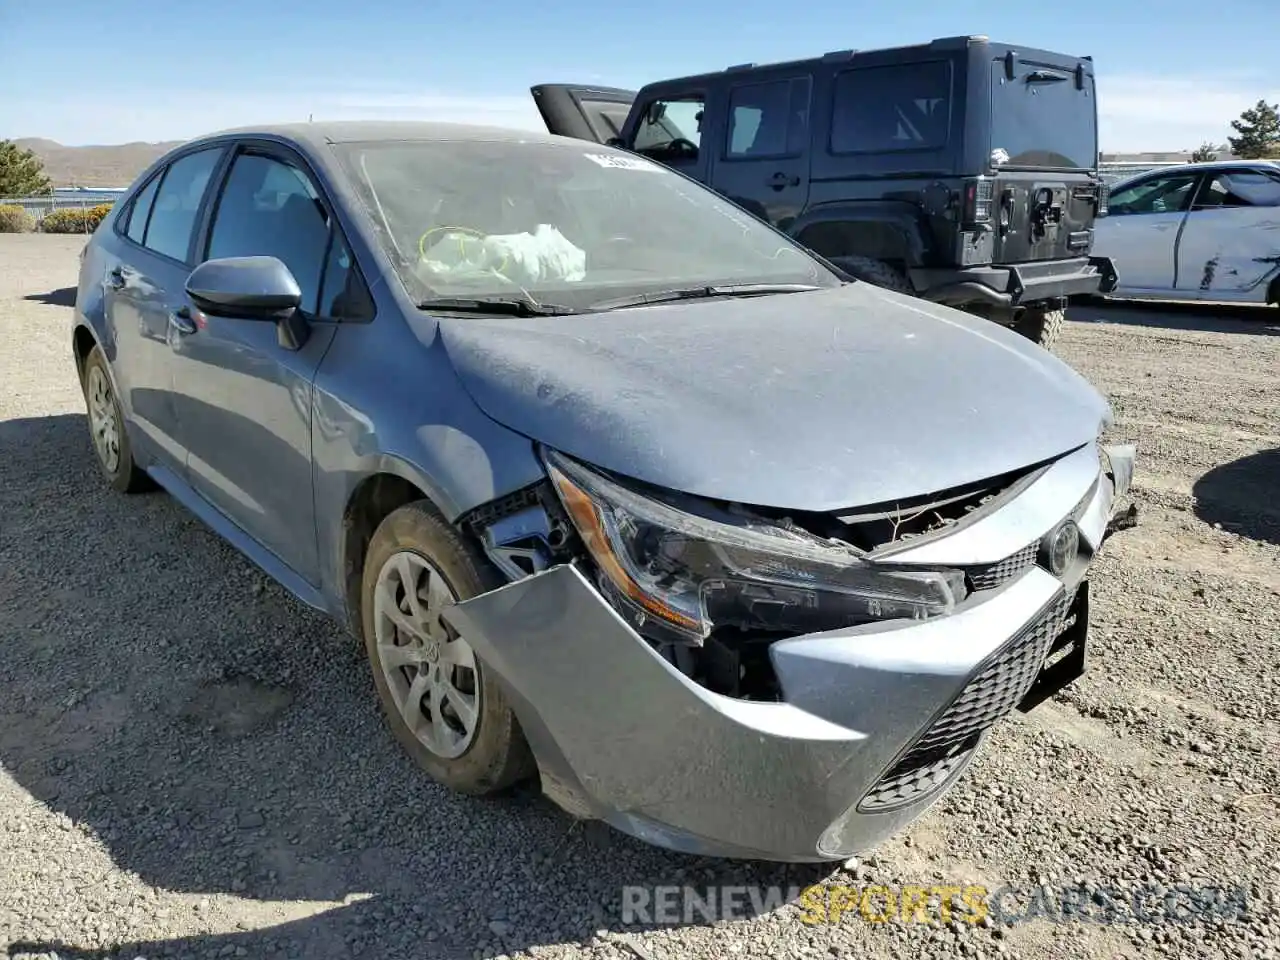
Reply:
x=620, y=163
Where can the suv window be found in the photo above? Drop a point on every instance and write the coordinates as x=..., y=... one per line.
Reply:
x=269, y=207
x=1167, y=194
x=667, y=126
x=141, y=210
x=1041, y=120
x=768, y=119
x=1241, y=188
x=890, y=109
x=609, y=116
x=173, y=214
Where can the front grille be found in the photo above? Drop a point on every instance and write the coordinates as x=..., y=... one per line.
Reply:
x=992, y=575
x=992, y=693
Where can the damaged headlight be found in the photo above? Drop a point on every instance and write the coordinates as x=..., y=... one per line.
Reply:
x=679, y=574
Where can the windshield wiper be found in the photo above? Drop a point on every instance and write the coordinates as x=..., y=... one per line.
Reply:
x=1043, y=76
x=515, y=307
x=701, y=293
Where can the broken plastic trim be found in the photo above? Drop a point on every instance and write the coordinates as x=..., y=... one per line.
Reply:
x=678, y=574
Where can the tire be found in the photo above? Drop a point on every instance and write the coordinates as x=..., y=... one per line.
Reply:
x=1041, y=325
x=107, y=430
x=876, y=272
x=414, y=542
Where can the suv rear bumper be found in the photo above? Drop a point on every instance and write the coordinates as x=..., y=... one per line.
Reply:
x=1016, y=284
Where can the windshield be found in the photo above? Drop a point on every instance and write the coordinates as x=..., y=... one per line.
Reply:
x=1041, y=121
x=568, y=223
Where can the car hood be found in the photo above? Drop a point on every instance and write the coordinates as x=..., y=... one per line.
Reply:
x=809, y=401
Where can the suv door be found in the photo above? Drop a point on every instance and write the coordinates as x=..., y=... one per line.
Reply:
x=1044, y=153
x=145, y=296
x=762, y=157
x=1227, y=246
x=1140, y=231
x=587, y=113
x=245, y=400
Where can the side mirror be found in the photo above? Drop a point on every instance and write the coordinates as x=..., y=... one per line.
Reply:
x=251, y=288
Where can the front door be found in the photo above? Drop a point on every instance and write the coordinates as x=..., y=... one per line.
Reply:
x=1140, y=232
x=1230, y=246
x=244, y=400
x=762, y=163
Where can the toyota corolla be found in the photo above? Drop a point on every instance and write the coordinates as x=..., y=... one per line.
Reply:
x=620, y=487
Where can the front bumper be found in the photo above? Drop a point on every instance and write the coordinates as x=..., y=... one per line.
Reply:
x=1014, y=285
x=875, y=721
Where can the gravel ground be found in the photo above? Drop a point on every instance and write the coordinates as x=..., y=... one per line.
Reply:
x=192, y=765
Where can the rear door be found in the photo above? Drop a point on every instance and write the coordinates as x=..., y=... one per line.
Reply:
x=761, y=160
x=1140, y=233
x=145, y=295
x=1230, y=246
x=587, y=113
x=1044, y=153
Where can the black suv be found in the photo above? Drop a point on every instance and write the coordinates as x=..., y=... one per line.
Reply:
x=962, y=171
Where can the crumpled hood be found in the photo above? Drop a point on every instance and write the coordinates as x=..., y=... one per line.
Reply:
x=809, y=401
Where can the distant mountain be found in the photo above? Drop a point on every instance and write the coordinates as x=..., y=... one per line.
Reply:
x=113, y=165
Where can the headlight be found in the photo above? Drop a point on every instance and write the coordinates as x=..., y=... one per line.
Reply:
x=680, y=574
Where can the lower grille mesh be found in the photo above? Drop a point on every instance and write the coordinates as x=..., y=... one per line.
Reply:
x=992, y=575
x=991, y=694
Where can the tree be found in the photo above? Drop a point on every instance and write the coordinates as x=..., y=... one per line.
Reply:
x=1259, y=129
x=21, y=172
x=1205, y=153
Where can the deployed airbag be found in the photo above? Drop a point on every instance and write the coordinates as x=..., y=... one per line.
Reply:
x=523, y=258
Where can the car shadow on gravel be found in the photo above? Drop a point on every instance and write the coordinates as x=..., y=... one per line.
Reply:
x=62, y=297
x=1243, y=496
x=1209, y=318
x=222, y=743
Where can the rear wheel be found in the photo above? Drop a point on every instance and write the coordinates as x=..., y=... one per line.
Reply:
x=1043, y=325
x=876, y=272
x=442, y=703
x=107, y=430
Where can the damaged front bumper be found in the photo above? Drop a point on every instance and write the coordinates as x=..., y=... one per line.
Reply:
x=874, y=723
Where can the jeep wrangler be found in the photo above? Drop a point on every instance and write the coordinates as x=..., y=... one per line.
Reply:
x=961, y=171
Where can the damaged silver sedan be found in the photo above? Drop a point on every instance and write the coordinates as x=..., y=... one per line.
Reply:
x=621, y=488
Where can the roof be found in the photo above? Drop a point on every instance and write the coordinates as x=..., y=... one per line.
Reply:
x=347, y=131
x=1208, y=167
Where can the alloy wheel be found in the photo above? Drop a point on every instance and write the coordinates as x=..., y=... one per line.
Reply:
x=104, y=420
x=431, y=672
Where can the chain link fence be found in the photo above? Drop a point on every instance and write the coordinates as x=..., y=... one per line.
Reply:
x=77, y=212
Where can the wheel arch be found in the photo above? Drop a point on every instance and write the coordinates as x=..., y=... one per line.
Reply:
x=890, y=232
x=83, y=341
x=389, y=487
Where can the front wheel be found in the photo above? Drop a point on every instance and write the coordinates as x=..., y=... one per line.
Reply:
x=1041, y=325
x=440, y=699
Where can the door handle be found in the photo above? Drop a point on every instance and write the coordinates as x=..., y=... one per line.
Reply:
x=182, y=321
x=115, y=278
x=780, y=180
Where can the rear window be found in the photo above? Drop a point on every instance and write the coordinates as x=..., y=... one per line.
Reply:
x=606, y=116
x=1041, y=120
x=891, y=109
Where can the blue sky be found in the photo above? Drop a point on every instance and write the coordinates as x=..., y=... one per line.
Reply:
x=81, y=71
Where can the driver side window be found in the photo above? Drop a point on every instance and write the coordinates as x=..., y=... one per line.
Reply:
x=1169, y=194
x=671, y=129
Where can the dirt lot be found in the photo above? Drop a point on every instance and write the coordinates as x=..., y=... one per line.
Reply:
x=192, y=765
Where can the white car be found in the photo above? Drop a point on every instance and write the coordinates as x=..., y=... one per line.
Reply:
x=1203, y=231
